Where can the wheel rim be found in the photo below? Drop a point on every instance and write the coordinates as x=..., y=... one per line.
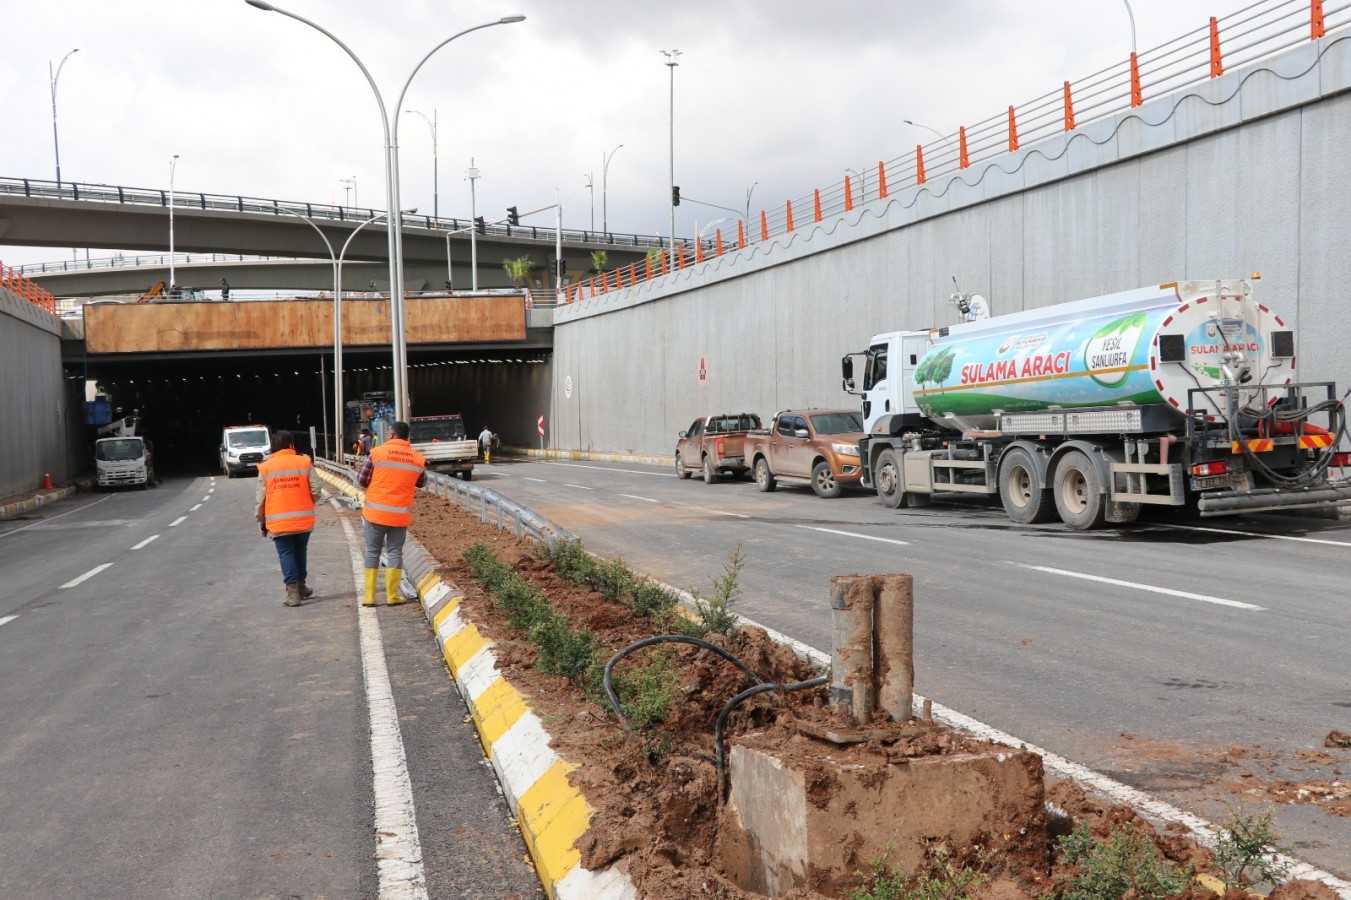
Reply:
x=886, y=479
x=1019, y=484
x=1073, y=493
x=680, y=465
x=761, y=473
x=825, y=479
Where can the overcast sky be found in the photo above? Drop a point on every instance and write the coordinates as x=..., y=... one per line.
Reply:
x=783, y=96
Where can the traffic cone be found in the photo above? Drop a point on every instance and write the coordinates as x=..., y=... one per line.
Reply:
x=47, y=480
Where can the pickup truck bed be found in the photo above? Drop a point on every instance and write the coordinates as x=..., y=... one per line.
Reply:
x=714, y=445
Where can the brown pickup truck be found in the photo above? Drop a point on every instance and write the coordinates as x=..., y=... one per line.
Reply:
x=713, y=444
x=816, y=446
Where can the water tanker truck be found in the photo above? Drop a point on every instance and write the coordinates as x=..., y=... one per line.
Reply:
x=1178, y=395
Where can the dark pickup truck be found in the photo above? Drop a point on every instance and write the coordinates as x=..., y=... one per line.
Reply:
x=714, y=444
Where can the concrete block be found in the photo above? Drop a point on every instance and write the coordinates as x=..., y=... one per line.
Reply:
x=803, y=812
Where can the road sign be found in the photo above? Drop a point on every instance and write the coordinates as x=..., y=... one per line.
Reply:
x=540, y=423
x=567, y=387
x=703, y=370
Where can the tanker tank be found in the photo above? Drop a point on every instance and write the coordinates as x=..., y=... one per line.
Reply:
x=1149, y=346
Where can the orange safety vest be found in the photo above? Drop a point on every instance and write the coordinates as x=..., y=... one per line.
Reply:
x=288, y=507
x=396, y=467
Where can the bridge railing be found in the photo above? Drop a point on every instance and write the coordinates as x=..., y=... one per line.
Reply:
x=1257, y=31
x=15, y=282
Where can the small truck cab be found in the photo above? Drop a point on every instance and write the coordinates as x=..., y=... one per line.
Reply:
x=243, y=447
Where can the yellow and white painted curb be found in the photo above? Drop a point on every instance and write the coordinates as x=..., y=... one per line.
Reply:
x=551, y=813
x=19, y=507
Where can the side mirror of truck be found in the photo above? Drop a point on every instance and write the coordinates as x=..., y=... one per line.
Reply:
x=848, y=385
x=801, y=433
x=680, y=434
x=847, y=368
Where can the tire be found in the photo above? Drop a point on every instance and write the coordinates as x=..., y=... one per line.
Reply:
x=764, y=479
x=467, y=475
x=888, y=480
x=823, y=481
x=1027, y=500
x=710, y=471
x=681, y=471
x=1078, y=492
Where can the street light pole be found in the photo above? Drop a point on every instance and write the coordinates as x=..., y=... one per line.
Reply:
x=672, y=60
x=471, y=175
x=350, y=185
x=436, y=179
x=591, y=186
x=1131, y=14
x=172, y=283
x=391, y=130
x=604, y=178
x=56, y=143
x=750, y=190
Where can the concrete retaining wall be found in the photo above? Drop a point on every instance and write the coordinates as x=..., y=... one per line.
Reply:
x=1246, y=173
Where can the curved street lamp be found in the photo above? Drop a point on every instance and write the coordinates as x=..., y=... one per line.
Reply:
x=55, y=77
x=173, y=285
x=391, y=133
x=604, y=174
x=436, y=179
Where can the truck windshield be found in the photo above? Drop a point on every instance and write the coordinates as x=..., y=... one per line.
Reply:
x=120, y=448
x=436, y=428
x=837, y=423
x=256, y=437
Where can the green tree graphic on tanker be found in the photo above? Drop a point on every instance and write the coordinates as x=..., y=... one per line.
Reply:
x=1112, y=347
x=936, y=368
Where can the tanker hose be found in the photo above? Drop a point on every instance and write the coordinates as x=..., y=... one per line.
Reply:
x=720, y=758
x=664, y=639
x=1336, y=412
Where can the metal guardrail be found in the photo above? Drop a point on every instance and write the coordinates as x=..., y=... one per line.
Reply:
x=488, y=503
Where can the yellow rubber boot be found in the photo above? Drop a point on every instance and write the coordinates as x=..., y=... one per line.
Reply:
x=369, y=598
x=392, y=579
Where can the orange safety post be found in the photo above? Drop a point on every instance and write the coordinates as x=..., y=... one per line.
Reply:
x=1013, y=131
x=619, y=279
x=633, y=274
x=680, y=256
x=698, y=250
x=591, y=282
x=647, y=261
x=818, y=204
x=1069, y=109
x=665, y=263
x=789, y=206
x=604, y=283
x=963, y=161
x=764, y=226
x=1137, y=96
x=1216, y=63
x=881, y=180
x=1316, y=28
x=848, y=195
x=919, y=164
x=740, y=234
x=717, y=238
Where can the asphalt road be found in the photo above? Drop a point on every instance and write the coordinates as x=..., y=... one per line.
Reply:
x=1150, y=653
x=172, y=730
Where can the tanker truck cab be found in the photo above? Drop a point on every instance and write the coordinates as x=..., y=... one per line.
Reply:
x=1176, y=395
x=243, y=447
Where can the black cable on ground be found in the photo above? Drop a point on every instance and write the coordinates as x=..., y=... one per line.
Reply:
x=663, y=639
x=719, y=760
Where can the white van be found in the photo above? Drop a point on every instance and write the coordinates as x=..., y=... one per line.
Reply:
x=243, y=447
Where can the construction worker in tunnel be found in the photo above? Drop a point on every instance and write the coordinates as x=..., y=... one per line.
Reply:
x=390, y=476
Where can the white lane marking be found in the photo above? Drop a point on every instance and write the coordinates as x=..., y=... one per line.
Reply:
x=609, y=469
x=145, y=542
x=1186, y=595
x=644, y=499
x=1258, y=534
x=866, y=537
x=540, y=480
x=46, y=519
x=6, y=619
x=86, y=576
x=398, y=848
x=180, y=520
x=195, y=508
x=715, y=512
x=207, y=497
x=580, y=487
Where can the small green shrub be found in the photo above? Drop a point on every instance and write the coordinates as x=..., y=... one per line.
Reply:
x=563, y=649
x=570, y=559
x=652, y=600
x=523, y=602
x=715, y=613
x=1127, y=862
x=613, y=580
x=1247, y=850
x=488, y=569
x=880, y=882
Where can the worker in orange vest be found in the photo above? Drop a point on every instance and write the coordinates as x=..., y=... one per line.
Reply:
x=287, y=489
x=391, y=476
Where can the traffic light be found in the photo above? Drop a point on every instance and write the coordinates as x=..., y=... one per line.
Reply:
x=479, y=225
x=675, y=195
x=513, y=217
x=560, y=267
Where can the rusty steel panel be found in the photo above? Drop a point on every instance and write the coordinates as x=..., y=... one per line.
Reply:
x=189, y=326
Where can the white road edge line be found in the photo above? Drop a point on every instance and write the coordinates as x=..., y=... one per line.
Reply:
x=540, y=480
x=866, y=537
x=1236, y=604
x=145, y=542
x=86, y=576
x=398, y=848
x=195, y=508
x=57, y=516
x=1258, y=534
x=580, y=487
x=7, y=619
x=608, y=469
x=636, y=497
x=716, y=512
x=180, y=520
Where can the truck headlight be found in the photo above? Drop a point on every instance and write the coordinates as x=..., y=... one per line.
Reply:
x=845, y=449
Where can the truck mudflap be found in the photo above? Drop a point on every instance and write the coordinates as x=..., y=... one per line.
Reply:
x=1230, y=503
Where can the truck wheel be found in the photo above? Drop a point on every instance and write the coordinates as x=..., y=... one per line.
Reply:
x=764, y=479
x=888, y=476
x=467, y=475
x=823, y=481
x=710, y=471
x=1078, y=492
x=1026, y=499
x=681, y=471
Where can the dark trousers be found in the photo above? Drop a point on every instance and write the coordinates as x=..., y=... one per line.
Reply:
x=293, y=551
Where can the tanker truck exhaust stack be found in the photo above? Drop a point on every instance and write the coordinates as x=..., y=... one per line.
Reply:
x=1181, y=394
